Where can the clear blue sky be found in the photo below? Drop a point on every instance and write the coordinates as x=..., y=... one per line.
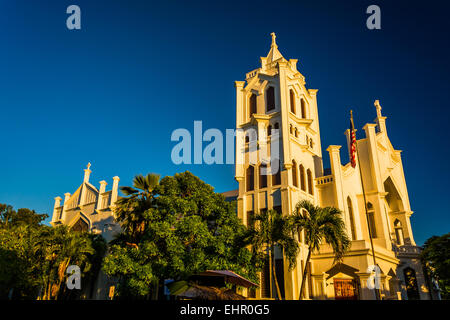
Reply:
x=113, y=92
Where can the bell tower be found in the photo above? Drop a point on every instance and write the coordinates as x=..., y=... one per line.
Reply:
x=280, y=146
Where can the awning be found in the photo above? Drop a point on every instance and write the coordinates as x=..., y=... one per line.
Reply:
x=230, y=277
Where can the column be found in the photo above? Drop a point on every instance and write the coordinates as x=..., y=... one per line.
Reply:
x=55, y=216
x=100, y=194
x=365, y=293
x=115, y=190
x=66, y=200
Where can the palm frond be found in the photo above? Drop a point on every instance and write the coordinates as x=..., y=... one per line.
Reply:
x=128, y=190
x=321, y=224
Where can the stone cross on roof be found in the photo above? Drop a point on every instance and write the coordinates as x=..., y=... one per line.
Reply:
x=274, y=43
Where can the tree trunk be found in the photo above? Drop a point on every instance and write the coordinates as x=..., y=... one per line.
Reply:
x=161, y=289
x=275, y=274
x=61, y=275
x=304, y=275
x=48, y=291
x=270, y=273
x=155, y=291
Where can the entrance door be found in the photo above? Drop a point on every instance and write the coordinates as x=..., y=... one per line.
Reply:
x=345, y=289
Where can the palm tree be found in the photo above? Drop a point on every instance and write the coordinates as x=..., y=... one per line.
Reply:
x=320, y=224
x=131, y=210
x=61, y=247
x=272, y=229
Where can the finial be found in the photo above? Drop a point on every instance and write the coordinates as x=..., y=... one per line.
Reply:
x=274, y=43
x=87, y=172
x=351, y=118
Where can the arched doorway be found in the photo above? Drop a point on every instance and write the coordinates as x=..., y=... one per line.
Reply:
x=80, y=225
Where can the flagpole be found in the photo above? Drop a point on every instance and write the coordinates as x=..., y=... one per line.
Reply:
x=377, y=293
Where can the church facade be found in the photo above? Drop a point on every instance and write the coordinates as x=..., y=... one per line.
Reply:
x=90, y=209
x=275, y=96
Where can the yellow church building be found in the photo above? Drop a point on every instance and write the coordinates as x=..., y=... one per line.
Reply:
x=274, y=105
x=275, y=96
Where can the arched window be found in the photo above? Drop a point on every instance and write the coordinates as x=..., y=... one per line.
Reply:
x=252, y=104
x=294, y=174
x=262, y=176
x=352, y=219
x=250, y=178
x=270, y=98
x=412, y=290
x=371, y=220
x=276, y=177
x=302, y=178
x=291, y=130
x=310, y=182
x=292, y=98
x=269, y=130
x=303, y=107
x=296, y=133
x=399, y=232
x=276, y=127
x=251, y=135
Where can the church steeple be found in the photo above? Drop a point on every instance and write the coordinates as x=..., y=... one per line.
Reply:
x=273, y=55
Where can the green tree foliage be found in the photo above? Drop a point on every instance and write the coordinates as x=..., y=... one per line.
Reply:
x=172, y=229
x=272, y=229
x=22, y=217
x=436, y=261
x=59, y=248
x=34, y=257
x=19, y=265
x=320, y=225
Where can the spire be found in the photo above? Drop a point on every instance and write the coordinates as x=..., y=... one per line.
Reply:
x=274, y=53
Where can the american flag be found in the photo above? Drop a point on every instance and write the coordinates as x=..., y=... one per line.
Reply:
x=352, y=142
